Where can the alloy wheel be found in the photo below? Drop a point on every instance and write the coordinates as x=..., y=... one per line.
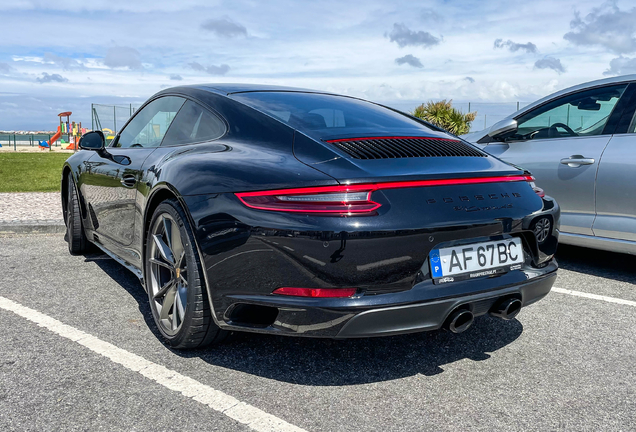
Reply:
x=168, y=274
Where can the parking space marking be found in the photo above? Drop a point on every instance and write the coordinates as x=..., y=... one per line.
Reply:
x=314, y=260
x=594, y=296
x=242, y=412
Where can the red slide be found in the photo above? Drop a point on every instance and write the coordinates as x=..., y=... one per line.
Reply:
x=55, y=137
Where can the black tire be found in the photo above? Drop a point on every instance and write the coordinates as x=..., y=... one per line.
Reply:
x=196, y=327
x=75, y=236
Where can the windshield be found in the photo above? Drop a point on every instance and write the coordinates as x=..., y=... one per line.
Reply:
x=326, y=116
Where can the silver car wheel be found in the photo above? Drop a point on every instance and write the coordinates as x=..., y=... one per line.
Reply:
x=168, y=274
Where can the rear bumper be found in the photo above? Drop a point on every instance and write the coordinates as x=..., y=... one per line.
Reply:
x=390, y=314
x=432, y=315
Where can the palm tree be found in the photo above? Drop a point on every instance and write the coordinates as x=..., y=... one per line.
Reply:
x=443, y=114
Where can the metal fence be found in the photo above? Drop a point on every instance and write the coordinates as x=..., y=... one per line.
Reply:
x=111, y=118
x=16, y=140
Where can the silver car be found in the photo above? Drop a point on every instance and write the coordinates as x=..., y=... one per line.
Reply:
x=580, y=144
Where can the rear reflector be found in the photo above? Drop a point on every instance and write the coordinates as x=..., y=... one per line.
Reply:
x=316, y=292
x=346, y=199
x=530, y=179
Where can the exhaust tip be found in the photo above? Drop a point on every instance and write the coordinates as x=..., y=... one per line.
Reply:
x=460, y=320
x=507, y=309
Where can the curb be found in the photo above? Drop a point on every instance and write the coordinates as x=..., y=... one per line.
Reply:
x=32, y=227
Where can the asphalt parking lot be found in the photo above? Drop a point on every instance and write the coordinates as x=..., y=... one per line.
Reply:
x=567, y=362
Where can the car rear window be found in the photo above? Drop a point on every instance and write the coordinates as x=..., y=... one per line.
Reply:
x=327, y=116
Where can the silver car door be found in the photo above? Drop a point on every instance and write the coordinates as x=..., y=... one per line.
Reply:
x=571, y=184
x=561, y=143
x=616, y=189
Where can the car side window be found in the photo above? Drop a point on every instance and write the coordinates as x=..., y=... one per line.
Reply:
x=194, y=124
x=580, y=114
x=149, y=125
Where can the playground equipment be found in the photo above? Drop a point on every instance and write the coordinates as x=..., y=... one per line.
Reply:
x=72, y=130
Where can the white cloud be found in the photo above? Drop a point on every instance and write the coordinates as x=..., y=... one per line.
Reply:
x=621, y=66
x=212, y=69
x=46, y=78
x=512, y=46
x=404, y=36
x=409, y=60
x=550, y=63
x=606, y=26
x=123, y=57
x=224, y=28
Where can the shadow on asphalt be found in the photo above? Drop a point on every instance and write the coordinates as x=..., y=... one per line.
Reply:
x=610, y=265
x=326, y=362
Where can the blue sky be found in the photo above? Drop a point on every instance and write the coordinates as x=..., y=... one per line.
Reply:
x=63, y=55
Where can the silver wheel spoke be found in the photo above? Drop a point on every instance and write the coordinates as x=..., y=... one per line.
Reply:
x=167, y=229
x=161, y=263
x=181, y=262
x=164, y=289
x=163, y=248
x=180, y=302
x=168, y=302
x=177, y=245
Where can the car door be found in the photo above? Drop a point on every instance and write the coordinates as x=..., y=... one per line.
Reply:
x=561, y=143
x=111, y=188
x=616, y=182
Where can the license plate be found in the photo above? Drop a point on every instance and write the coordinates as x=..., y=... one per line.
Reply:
x=476, y=259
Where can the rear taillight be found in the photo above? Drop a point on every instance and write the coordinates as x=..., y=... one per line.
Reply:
x=354, y=199
x=530, y=179
x=316, y=292
x=328, y=199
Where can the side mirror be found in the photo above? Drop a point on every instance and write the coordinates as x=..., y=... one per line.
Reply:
x=93, y=141
x=503, y=129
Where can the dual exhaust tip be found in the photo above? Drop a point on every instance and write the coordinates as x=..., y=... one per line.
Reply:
x=461, y=319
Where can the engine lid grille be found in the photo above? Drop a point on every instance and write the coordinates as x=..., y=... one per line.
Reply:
x=404, y=147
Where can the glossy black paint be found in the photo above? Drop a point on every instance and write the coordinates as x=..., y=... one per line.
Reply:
x=248, y=253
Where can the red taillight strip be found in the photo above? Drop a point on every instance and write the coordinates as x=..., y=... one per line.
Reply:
x=390, y=137
x=386, y=185
x=316, y=292
x=370, y=187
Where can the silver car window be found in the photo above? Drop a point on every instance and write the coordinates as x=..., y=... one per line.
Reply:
x=580, y=114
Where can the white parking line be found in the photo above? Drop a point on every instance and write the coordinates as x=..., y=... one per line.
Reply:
x=246, y=414
x=314, y=260
x=594, y=296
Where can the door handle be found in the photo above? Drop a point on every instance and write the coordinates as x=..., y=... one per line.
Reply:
x=128, y=180
x=576, y=161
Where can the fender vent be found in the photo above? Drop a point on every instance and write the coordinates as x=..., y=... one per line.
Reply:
x=404, y=147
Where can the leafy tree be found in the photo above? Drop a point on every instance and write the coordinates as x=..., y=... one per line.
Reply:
x=443, y=114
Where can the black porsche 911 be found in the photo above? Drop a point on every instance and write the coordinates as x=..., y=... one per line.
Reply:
x=295, y=212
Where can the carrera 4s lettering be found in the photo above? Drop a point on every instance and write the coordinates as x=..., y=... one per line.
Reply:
x=464, y=198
